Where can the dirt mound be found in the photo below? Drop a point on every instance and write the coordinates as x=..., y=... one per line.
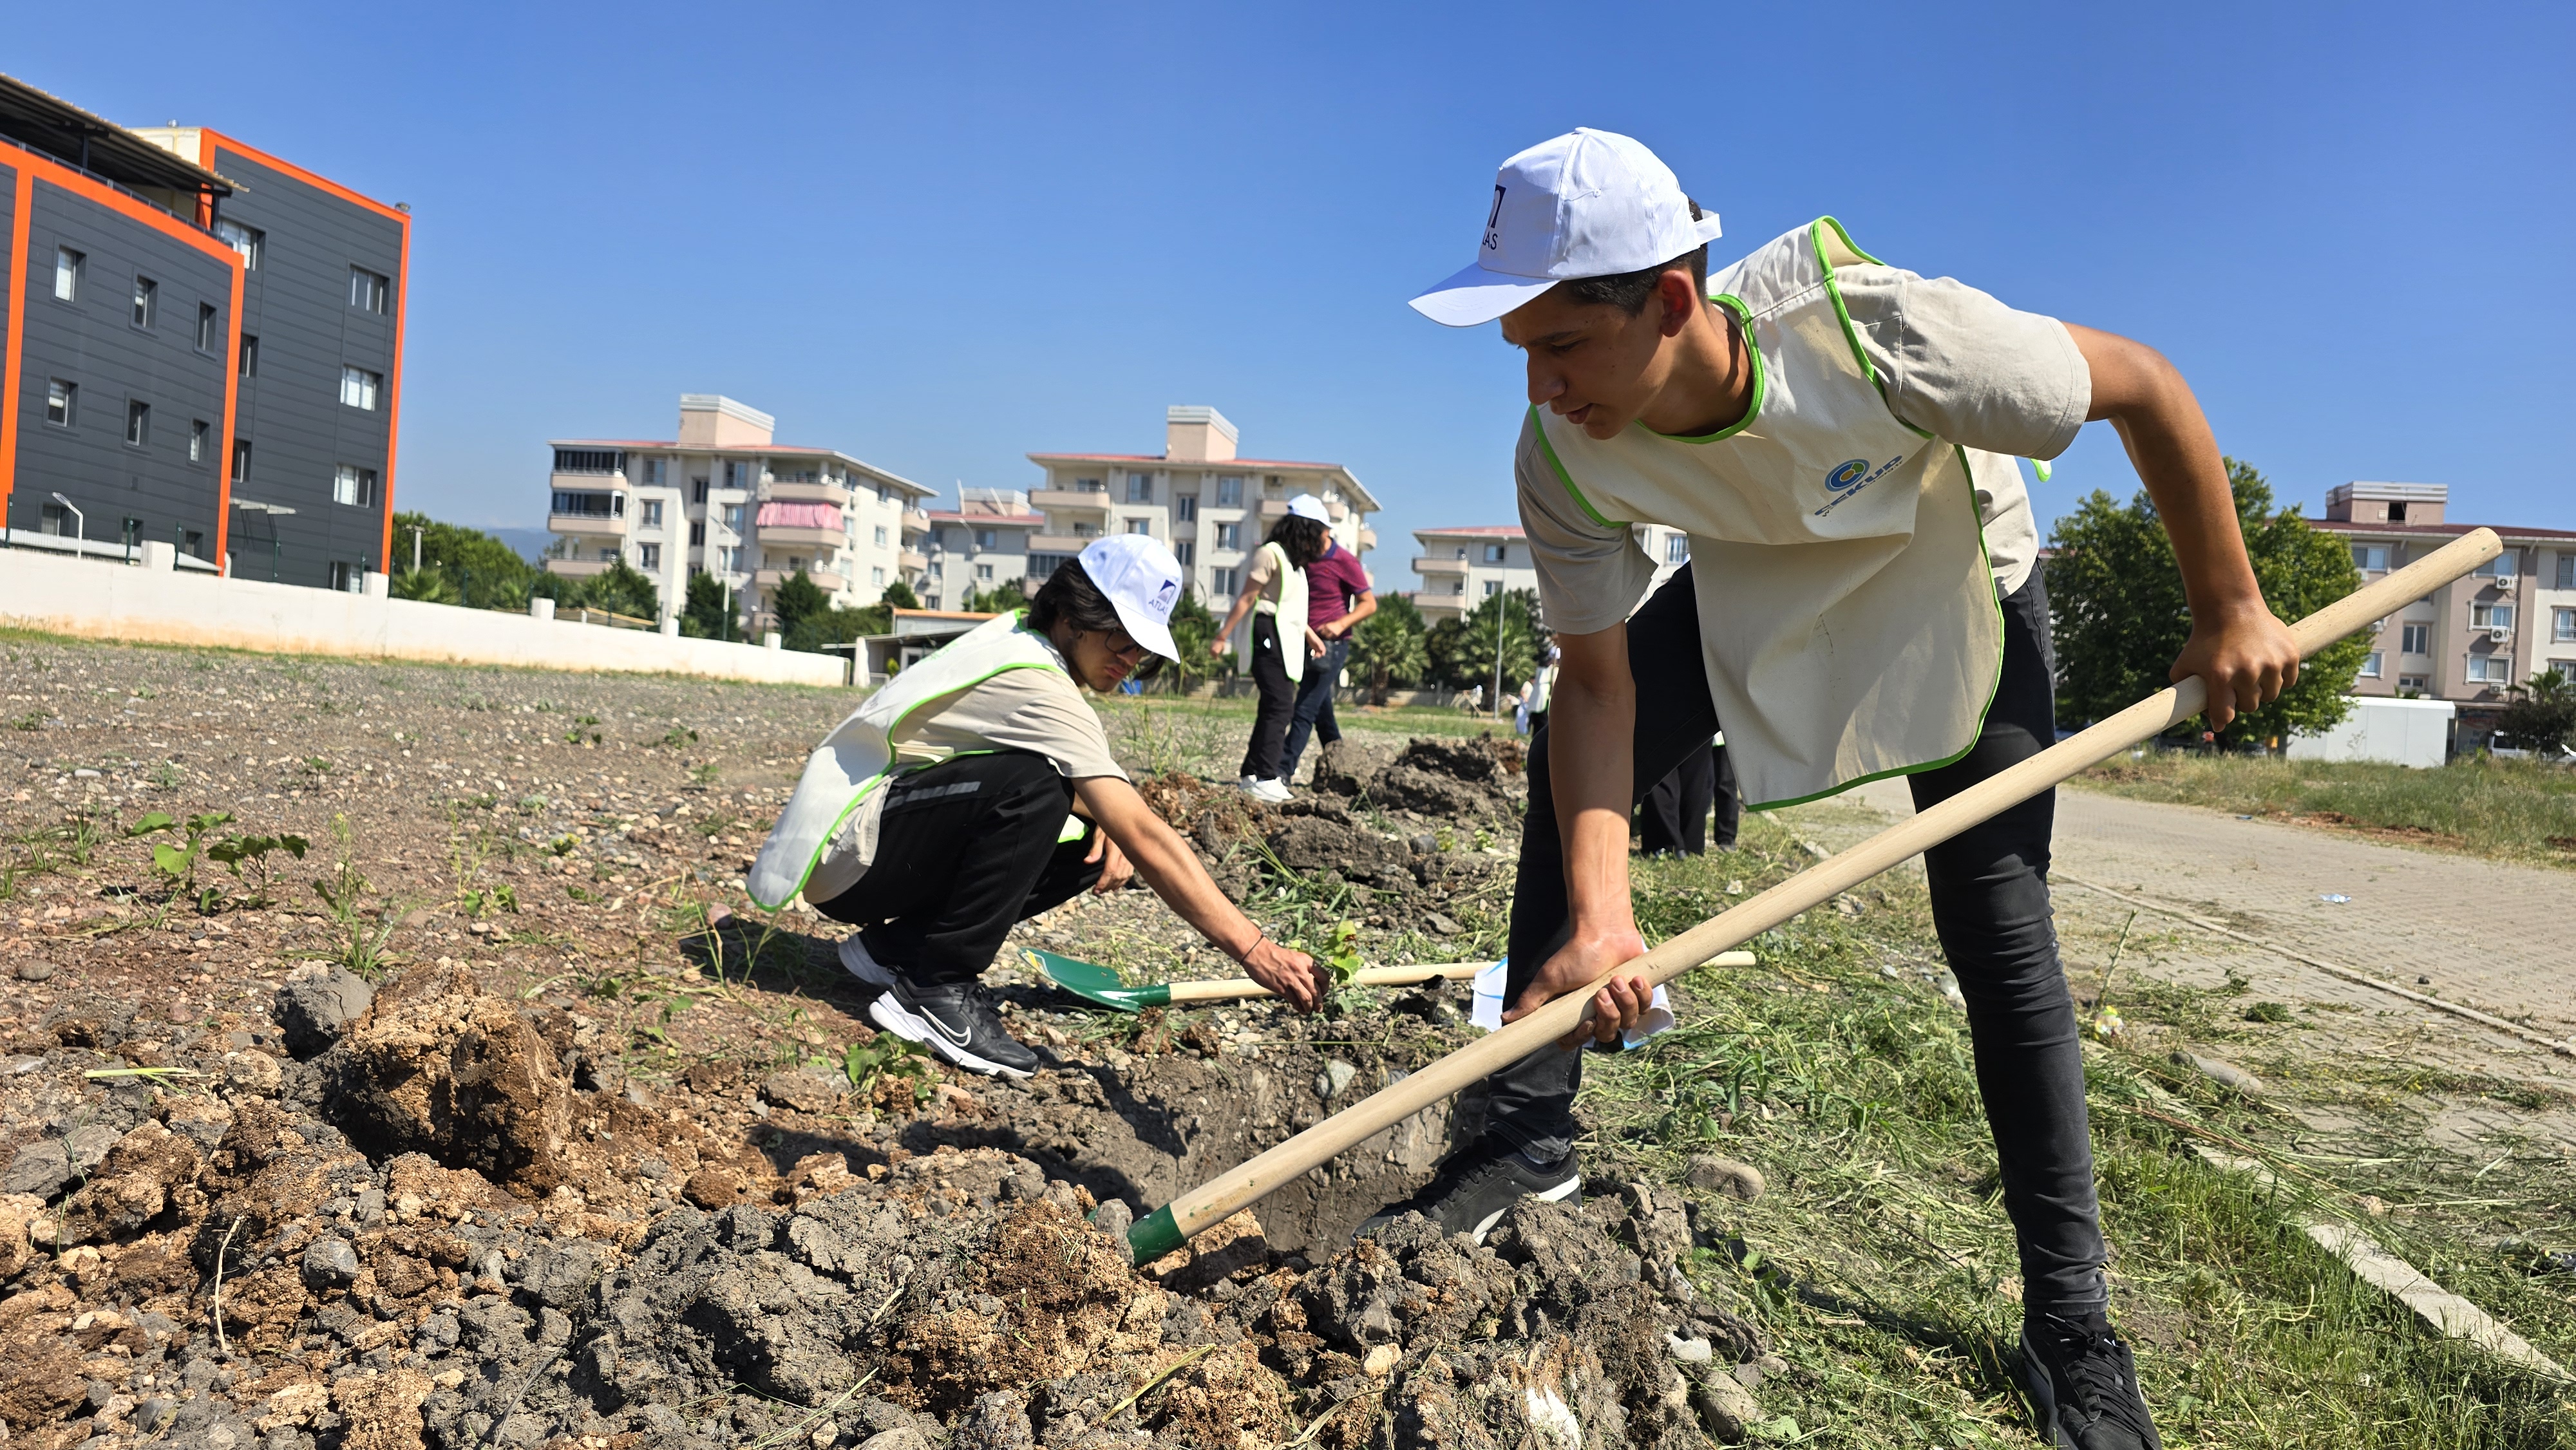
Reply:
x=1448, y=781
x=437, y=1067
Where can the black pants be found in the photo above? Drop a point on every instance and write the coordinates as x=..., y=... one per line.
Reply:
x=1278, y=699
x=1314, y=709
x=1989, y=889
x=965, y=849
x=1674, y=816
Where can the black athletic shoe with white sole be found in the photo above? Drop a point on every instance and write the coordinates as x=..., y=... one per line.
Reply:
x=1477, y=1186
x=2083, y=1385
x=958, y=1023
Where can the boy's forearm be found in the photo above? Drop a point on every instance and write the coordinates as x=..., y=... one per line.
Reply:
x=1592, y=789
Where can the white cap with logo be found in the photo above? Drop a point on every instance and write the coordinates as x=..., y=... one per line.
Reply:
x=1585, y=204
x=1142, y=581
x=1307, y=506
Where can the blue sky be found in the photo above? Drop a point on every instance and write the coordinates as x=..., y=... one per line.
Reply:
x=939, y=237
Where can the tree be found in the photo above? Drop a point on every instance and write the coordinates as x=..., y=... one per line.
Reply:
x=480, y=571
x=1193, y=630
x=425, y=584
x=899, y=595
x=2541, y=715
x=1390, y=645
x=2117, y=610
x=703, y=612
x=1002, y=598
x=1462, y=650
x=796, y=598
x=621, y=588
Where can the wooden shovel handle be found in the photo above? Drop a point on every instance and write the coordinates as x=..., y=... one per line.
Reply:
x=1173, y=1224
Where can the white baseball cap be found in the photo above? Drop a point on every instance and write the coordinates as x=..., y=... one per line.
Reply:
x=1143, y=582
x=1307, y=506
x=1585, y=204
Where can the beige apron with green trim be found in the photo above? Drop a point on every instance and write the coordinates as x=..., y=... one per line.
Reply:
x=801, y=854
x=1288, y=583
x=1847, y=613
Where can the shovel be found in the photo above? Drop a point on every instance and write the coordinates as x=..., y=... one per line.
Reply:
x=1101, y=985
x=1176, y=1222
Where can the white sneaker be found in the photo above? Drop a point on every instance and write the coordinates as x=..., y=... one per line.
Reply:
x=1273, y=791
x=855, y=959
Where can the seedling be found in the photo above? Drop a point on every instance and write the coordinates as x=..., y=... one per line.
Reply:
x=675, y=737
x=178, y=864
x=888, y=1056
x=247, y=858
x=564, y=845
x=362, y=949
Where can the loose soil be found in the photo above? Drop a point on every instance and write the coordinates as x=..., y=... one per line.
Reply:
x=479, y=1122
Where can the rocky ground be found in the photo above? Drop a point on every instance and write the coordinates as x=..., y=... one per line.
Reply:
x=429, y=1097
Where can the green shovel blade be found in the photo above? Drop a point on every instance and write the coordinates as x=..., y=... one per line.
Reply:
x=1093, y=983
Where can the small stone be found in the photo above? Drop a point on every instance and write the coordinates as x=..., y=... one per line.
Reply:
x=1336, y=1076
x=314, y=1012
x=806, y=1090
x=904, y=1438
x=41, y=1168
x=2218, y=1070
x=1442, y=924
x=35, y=969
x=152, y=1414
x=1726, y=1408
x=370, y=1205
x=330, y=1264
x=1688, y=1351
x=1726, y=1176
x=1114, y=1218
x=1381, y=1359
x=1425, y=844
x=2374, y=1205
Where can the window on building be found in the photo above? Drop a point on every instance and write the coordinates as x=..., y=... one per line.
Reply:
x=368, y=290
x=1086, y=531
x=2370, y=665
x=138, y=422
x=881, y=536
x=249, y=241
x=2490, y=670
x=358, y=387
x=1229, y=536
x=1270, y=484
x=1187, y=552
x=729, y=558
x=697, y=533
x=62, y=402
x=2565, y=669
x=2419, y=684
x=1087, y=485
x=2490, y=616
x=737, y=475
x=697, y=490
x=201, y=440
x=1140, y=526
x=586, y=460
x=356, y=487
x=55, y=520
x=652, y=513
x=1677, y=549
x=733, y=517
x=1225, y=581
x=986, y=538
x=2370, y=558
x=1457, y=586
x=2567, y=568
x=648, y=556
x=2415, y=639
x=348, y=578
x=877, y=575
x=241, y=460
x=2562, y=626
x=589, y=504
x=1185, y=508
x=147, y=300
x=2500, y=570
x=206, y=320
x=610, y=553
x=193, y=543
x=68, y=266
x=1493, y=587
x=1495, y=553
x=983, y=571
x=657, y=471
x=1140, y=488
x=250, y=355
x=1229, y=491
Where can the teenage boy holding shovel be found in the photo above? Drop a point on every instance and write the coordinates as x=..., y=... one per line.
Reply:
x=1837, y=437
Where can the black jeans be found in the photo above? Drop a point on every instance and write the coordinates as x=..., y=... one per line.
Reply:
x=1989, y=888
x=1314, y=708
x=965, y=848
x=1278, y=698
x=1674, y=816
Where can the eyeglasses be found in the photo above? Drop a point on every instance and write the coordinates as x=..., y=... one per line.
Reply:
x=1122, y=645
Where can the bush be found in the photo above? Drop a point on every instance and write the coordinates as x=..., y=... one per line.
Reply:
x=2542, y=714
x=1390, y=647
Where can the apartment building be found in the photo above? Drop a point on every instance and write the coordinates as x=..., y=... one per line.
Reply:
x=725, y=498
x=979, y=546
x=1460, y=567
x=204, y=349
x=1199, y=496
x=2469, y=640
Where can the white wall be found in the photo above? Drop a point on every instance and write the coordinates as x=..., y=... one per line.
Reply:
x=90, y=600
x=2400, y=732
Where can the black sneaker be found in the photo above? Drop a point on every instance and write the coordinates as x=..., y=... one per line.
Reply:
x=956, y=1022
x=1477, y=1186
x=2083, y=1385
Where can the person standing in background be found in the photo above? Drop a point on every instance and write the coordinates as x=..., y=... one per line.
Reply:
x=1274, y=594
x=1338, y=597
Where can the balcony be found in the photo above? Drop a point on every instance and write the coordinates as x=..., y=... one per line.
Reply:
x=788, y=536
x=589, y=525
x=1060, y=543
x=1368, y=538
x=576, y=568
x=1427, y=566
x=915, y=521
x=912, y=561
x=1083, y=500
x=1273, y=509
x=830, y=581
x=801, y=491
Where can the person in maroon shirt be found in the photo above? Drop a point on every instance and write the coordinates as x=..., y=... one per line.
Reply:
x=1338, y=597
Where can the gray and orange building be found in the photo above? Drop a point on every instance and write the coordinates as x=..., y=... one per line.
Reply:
x=203, y=347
